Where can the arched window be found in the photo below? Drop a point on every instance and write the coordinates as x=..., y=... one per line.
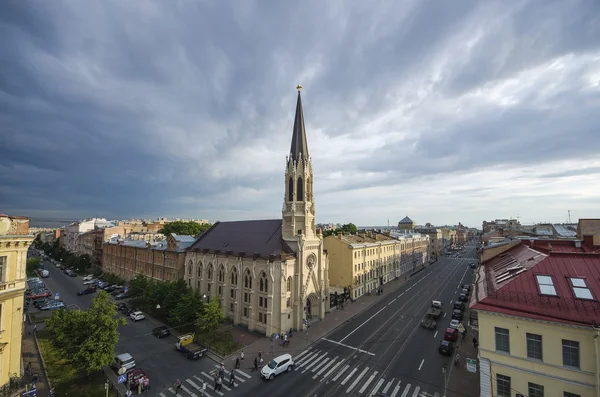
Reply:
x=263, y=285
x=289, y=284
x=222, y=274
x=291, y=190
x=234, y=276
x=200, y=268
x=210, y=271
x=247, y=279
x=300, y=190
x=190, y=268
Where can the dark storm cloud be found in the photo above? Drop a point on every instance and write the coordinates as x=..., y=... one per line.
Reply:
x=151, y=109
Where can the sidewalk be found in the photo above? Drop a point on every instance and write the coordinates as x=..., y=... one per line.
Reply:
x=32, y=359
x=301, y=340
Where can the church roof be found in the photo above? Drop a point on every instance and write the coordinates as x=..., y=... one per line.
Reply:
x=406, y=220
x=262, y=238
x=299, y=146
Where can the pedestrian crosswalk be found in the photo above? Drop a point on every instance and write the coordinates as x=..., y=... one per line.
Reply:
x=194, y=386
x=359, y=379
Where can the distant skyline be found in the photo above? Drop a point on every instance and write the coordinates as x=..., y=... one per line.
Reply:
x=444, y=111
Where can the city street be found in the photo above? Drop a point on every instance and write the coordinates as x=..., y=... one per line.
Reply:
x=384, y=349
x=157, y=357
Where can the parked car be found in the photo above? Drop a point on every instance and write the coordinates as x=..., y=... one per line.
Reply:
x=451, y=334
x=72, y=274
x=86, y=291
x=53, y=305
x=39, y=294
x=121, y=296
x=454, y=323
x=88, y=277
x=458, y=305
x=110, y=288
x=463, y=298
x=122, y=307
x=276, y=366
x=457, y=315
x=90, y=281
x=161, y=332
x=446, y=348
x=136, y=316
x=40, y=302
x=103, y=285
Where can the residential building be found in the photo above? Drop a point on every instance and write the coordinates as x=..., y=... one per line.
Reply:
x=269, y=275
x=436, y=240
x=14, y=243
x=588, y=231
x=449, y=239
x=74, y=230
x=406, y=224
x=49, y=236
x=500, y=224
x=537, y=314
x=161, y=260
x=461, y=234
x=368, y=260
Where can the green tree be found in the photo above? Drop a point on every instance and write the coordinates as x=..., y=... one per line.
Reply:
x=187, y=309
x=348, y=228
x=208, y=321
x=37, y=242
x=32, y=265
x=86, y=339
x=184, y=228
x=139, y=285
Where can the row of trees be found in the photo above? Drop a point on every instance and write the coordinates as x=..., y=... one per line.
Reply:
x=184, y=228
x=349, y=228
x=80, y=262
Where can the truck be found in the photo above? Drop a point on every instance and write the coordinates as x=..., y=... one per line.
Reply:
x=434, y=311
x=189, y=346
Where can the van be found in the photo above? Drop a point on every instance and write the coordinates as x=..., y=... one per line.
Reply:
x=124, y=360
x=436, y=304
x=45, y=273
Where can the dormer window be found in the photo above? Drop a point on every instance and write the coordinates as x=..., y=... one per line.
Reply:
x=580, y=288
x=546, y=285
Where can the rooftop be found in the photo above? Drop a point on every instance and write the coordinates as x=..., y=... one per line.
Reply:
x=556, y=286
x=406, y=219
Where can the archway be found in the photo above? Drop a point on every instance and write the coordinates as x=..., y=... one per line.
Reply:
x=312, y=306
x=308, y=308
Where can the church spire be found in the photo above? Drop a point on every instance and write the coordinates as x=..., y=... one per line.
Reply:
x=299, y=147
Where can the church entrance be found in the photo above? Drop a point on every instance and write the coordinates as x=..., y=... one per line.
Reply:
x=308, y=309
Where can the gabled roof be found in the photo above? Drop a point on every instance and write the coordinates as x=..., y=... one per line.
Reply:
x=258, y=237
x=509, y=284
x=406, y=219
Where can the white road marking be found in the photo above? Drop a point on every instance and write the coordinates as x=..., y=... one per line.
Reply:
x=348, y=346
x=162, y=394
x=392, y=301
x=377, y=386
x=434, y=335
x=405, y=392
x=321, y=364
x=341, y=372
x=436, y=394
x=400, y=295
x=357, y=379
x=451, y=299
x=349, y=376
x=307, y=359
x=396, y=389
x=302, y=353
x=368, y=382
x=208, y=384
x=331, y=370
x=192, y=394
x=422, y=361
x=387, y=387
x=325, y=367
x=416, y=392
x=314, y=362
x=243, y=373
x=357, y=328
x=444, y=314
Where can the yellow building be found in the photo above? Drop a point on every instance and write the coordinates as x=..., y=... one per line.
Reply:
x=449, y=238
x=368, y=260
x=14, y=242
x=538, y=317
x=436, y=240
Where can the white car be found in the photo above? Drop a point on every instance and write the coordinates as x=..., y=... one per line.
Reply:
x=276, y=366
x=454, y=324
x=136, y=316
x=88, y=277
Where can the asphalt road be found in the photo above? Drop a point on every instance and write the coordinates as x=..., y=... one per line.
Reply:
x=383, y=349
x=158, y=357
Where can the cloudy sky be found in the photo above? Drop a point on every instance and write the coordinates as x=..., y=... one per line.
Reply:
x=445, y=111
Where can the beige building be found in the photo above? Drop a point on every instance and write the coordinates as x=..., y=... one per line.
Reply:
x=269, y=275
x=436, y=240
x=162, y=260
x=14, y=243
x=406, y=224
x=449, y=238
x=368, y=260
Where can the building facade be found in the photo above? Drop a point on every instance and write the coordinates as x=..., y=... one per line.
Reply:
x=161, y=261
x=436, y=240
x=269, y=275
x=368, y=260
x=538, y=314
x=14, y=243
x=406, y=224
x=449, y=239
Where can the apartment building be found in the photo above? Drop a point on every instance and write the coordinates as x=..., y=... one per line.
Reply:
x=436, y=240
x=14, y=243
x=538, y=313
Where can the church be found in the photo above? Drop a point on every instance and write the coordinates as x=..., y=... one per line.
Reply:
x=270, y=275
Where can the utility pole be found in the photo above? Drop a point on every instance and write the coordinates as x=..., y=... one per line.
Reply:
x=569, y=216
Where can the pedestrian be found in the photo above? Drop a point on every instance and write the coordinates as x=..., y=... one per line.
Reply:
x=255, y=364
x=232, y=379
x=221, y=372
x=237, y=363
x=290, y=332
x=475, y=344
x=34, y=329
x=260, y=356
x=285, y=341
x=203, y=387
x=216, y=383
x=146, y=384
x=177, y=386
x=465, y=332
x=219, y=383
x=242, y=356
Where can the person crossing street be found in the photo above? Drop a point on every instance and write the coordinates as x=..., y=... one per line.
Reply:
x=255, y=364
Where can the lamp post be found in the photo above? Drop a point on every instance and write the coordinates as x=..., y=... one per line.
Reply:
x=445, y=379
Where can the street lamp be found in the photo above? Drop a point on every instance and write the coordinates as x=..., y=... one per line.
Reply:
x=157, y=306
x=445, y=380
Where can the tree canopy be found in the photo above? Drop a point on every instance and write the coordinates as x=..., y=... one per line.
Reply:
x=211, y=316
x=184, y=228
x=86, y=339
x=349, y=228
x=32, y=265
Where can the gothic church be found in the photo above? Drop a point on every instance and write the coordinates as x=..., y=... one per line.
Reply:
x=269, y=275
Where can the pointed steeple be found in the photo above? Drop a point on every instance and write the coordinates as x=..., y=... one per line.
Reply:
x=299, y=147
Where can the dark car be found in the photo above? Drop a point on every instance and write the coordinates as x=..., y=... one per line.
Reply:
x=122, y=307
x=472, y=265
x=468, y=287
x=446, y=348
x=457, y=315
x=110, y=288
x=131, y=310
x=121, y=296
x=40, y=302
x=87, y=291
x=458, y=305
x=161, y=332
x=72, y=274
x=462, y=298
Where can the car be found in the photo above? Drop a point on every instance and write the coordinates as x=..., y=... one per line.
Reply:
x=40, y=302
x=446, y=348
x=39, y=294
x=57, y=264
x=103, y=285
x=88, y=277
x=121, y=296
x=276, y=366
x=63, y=267
x=122, y=307
x=90, y=281
x=53, y=305
x=131, y=310
x=472, y=265
x=161, y=332
x=463, y=298
x=468, y=287
x=457, y=315
x=72, y=274
x=454, y=323
x=136, y=316
x=110, y=288
x=86, y=291
x=451, y=334
x=458, y=305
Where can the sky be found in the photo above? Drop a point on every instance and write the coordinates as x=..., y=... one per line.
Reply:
x=445, y=111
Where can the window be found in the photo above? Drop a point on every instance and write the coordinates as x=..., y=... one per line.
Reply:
x=263, y=285
x=534, y=346
x=567, y=394
x=222, y=274
x=247, y=279
x=570, y=351
x=535, y=390
x=260, y=301
x=580, y=289
x=199, y=271
x=288, y=303
x=503, y=388
x=246, y=297
x=232, y=293
x=245, y=312
x=234, y=277
x=210, y=271
x=220, y=289
x=231, y=307
x=546, y=285
x=260, y=317
x=289, y=284
x=502, y=340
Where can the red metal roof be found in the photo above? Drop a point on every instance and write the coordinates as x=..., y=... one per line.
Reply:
x=520, y=294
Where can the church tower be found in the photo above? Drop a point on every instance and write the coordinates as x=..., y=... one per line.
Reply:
x=298, y=205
